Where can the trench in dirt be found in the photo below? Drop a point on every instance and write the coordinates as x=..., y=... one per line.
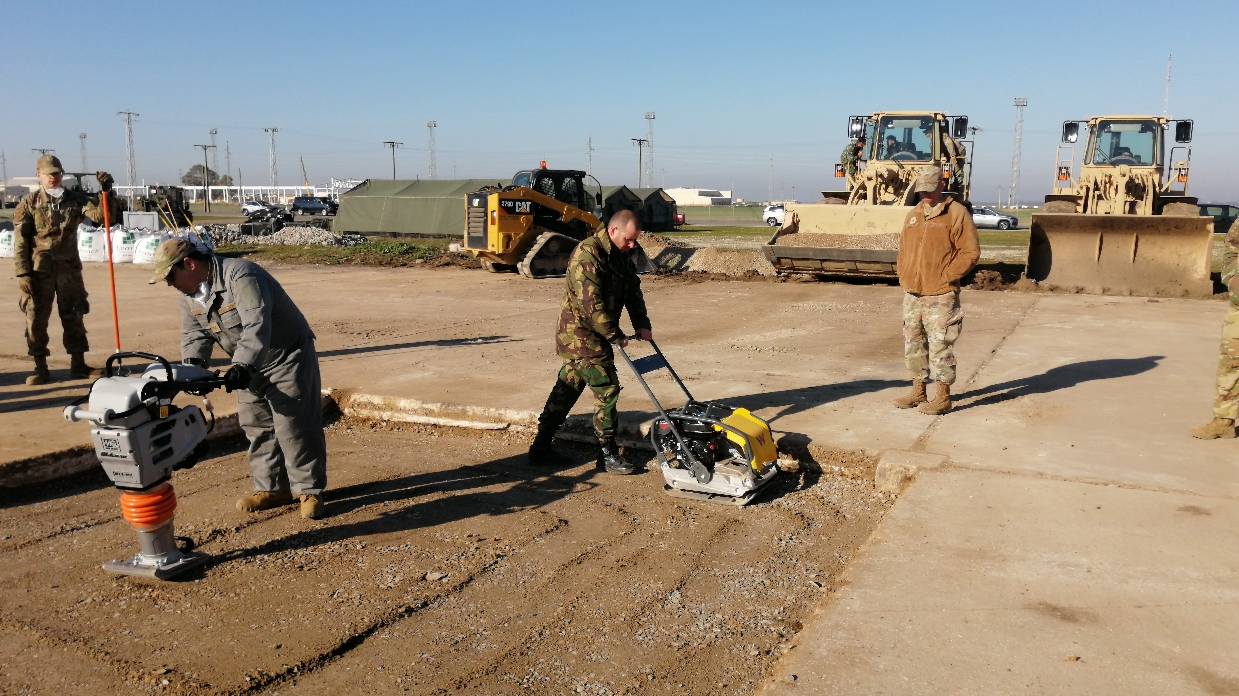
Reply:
x=446, y=564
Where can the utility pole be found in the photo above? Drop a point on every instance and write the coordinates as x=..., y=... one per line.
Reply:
x=393, y=144
x=4, y=178
x=1169, y=77
x=131, y=168
x=649, y=145
x=640, y=143
x=434, y=165
x=275, y=173
x=81, y=138
x=770, y=182
x=589, y=155
x=206, y=176
x=43, y=150
x=228, y=164
x=214, y=153
x=1020, y=103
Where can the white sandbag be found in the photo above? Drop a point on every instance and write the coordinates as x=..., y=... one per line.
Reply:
x=145, y=245
x=7, y=240
x=123, y=242
x=91, y=244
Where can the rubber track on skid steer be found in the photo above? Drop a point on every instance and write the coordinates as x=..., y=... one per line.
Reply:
x=549, y=249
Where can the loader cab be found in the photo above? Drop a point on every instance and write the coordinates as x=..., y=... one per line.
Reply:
x=564, y=185
x=905, y=138
x=1134, y=142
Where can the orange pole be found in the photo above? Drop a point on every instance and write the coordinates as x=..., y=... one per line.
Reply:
x=107, y=226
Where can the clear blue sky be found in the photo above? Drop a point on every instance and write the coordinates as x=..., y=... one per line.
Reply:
x=733, y=84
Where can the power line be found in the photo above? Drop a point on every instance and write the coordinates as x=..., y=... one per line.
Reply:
x=206, y=177
x=393, y=144
x=43, y=150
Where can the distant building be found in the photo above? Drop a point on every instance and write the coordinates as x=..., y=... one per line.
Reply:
x=699, y=196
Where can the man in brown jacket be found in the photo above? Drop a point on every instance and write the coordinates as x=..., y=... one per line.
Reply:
x=937, y=248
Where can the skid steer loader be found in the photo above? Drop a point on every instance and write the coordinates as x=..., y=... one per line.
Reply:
x=899, y=144
x=532, y=225
x=1126, y=225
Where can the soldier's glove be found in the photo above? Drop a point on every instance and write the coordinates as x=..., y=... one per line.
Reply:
x=239, y=376
x=105, y=180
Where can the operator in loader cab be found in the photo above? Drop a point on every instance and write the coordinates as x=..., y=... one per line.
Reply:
x=238, y=305
x=601, y=282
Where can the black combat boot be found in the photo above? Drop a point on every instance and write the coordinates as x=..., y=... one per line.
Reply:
x=542, y=453
x=609, y=458
x=78, y=369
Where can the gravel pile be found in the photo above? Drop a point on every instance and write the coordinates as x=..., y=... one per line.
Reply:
x=875, y=242
x=291, y=235
x=671, y=256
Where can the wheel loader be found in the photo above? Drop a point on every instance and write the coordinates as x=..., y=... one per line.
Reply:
x=899, y=144
x=532, y=225
x=1126, y=225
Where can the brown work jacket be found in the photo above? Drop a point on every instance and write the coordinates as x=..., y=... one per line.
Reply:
x=937, y=248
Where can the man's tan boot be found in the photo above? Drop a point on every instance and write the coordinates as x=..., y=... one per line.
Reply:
x=311, y=506
x=264, y=500
x=941, y=403
x=40, y=374
x=915, y=398
x=1217, y=428
x=78, y=369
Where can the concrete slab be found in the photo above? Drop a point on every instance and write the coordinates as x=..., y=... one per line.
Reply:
x=983, y=583
x=896, y=468
x=1097, y=389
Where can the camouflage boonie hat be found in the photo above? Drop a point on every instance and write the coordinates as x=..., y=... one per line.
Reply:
x=927, y=181
x=168, y=255
x=49, y=164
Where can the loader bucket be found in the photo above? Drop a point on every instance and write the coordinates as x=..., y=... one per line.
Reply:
x=1161, y=255
x=791, y=249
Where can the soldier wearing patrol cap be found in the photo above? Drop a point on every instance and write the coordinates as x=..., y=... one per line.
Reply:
x=237, y=305
x=601, y=283
x=938, y=246
x=49, y=268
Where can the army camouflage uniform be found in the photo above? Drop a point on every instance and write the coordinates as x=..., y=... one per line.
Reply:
x=931, y=326
x=45, y=242
x=850, y=159
x=957, y=156
x=1226, y=404
x=601, y=283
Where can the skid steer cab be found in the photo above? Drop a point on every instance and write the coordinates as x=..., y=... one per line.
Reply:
x=532, y=225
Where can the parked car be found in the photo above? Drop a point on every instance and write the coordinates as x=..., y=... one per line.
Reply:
x=988, y=217
x=313, y=205
x=1223, y=215
x=773, y=215
x=251, y=207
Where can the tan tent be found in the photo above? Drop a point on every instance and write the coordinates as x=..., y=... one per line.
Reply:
x=381, y=206
x=657, y=209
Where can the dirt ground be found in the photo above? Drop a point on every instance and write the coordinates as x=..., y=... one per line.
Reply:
x=446, y=564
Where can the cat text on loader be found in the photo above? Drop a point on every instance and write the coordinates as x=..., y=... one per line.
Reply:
x=532, y=225
x=873, y=204
x=1127, y=225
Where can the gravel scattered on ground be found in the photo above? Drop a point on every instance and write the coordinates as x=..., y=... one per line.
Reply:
x=291, y=235
x=875, y=242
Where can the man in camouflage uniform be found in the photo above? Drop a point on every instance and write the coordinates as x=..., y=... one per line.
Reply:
x=1226, y=403
x=49, y=268
x=957, y=156
x=850, y=159
x=601, y=283
x=937, y=248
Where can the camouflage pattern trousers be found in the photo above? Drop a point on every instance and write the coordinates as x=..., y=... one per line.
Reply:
x=599, y=375
x=1226, y=404
x=61, y=284
x=931, y=325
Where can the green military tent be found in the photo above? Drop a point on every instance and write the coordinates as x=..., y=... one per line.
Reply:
x=617, y=198
x=389, y=206
x=657, y=209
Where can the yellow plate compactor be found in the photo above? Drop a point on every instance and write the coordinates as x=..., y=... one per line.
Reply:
x=707, y=451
